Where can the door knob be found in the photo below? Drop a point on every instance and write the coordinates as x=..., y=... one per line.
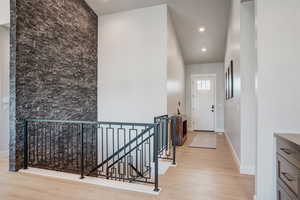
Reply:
x=212, y=108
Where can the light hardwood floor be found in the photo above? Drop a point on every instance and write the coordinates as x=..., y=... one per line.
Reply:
x=201, y=174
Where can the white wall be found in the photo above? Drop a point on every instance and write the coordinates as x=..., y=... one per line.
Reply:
x=4, y=12
x=175, y=72
x=232, y=106
x=4, y=88
x=278, y=81
x=211, y=68
x=248, y=64
x=241, y=111
x=133, y=65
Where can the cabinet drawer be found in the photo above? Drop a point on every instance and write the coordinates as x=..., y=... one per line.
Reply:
x=289, y=151
x=288, y=174
x=282, y=194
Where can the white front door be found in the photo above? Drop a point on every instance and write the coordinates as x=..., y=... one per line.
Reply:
x=203, y=103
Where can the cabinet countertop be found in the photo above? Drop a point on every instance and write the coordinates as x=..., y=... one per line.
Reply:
x=292, y=137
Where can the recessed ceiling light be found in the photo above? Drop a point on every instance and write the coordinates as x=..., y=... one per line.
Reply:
x=201, y=29
x=204, y=49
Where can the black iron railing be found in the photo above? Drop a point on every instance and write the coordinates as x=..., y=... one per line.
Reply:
x=127, y=152
x=166, y=139
x=68, y=146
x=114, y=150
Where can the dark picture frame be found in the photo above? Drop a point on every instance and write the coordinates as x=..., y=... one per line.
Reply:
x=229, y=82
x=232, y=79
x=226, y=85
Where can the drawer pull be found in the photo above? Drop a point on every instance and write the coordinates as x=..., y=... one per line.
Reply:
x=287, y=151
x=288, y=176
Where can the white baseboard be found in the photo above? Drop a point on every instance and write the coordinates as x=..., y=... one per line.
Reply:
x=4, y=153
x=92, y=180
x=163, y=166
x=219, y=131
x=249, y=170
x=235, y=156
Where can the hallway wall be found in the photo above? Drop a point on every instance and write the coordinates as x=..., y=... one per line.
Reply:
x=4, y=89
x=4, y=12
x=133, y=69
x=233, y=106
x=210, y=68
x=241, y=111
x=278, y=81
x=175, y=72
x=248, y=91
x=141, y=73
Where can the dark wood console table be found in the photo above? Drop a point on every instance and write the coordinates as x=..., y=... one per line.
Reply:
x=181, y=129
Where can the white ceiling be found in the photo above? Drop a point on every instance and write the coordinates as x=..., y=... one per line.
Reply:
x=187, y=16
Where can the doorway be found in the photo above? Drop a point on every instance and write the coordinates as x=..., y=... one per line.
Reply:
x=203, y=105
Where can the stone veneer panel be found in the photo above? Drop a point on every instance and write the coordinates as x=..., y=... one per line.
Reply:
x=53, y=72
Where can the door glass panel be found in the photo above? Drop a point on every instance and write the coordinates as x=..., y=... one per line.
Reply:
x=203, y=84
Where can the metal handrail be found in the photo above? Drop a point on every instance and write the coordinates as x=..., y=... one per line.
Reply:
x=90, y=122
x=160, y=117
